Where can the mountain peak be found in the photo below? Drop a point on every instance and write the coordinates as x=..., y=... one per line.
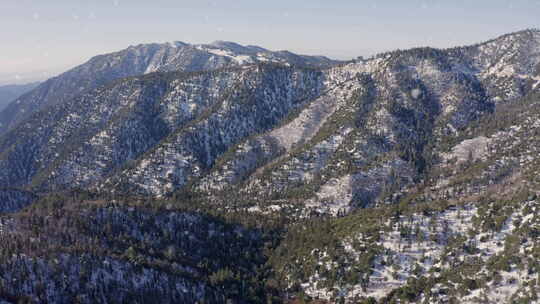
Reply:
x=223, y=43
x=178, y=44
x=236, y=47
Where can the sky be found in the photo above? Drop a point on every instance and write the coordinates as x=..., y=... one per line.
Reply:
x=42, y=38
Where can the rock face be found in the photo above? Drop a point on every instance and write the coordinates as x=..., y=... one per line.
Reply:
x=362, y=179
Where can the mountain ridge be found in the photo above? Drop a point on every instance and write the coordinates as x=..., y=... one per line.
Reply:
x=410, y=177
x=138, y=60
x=415, y=67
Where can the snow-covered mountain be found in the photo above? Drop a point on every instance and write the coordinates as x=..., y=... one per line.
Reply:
x=143, y=59
x=411, y=176
x=155, y=133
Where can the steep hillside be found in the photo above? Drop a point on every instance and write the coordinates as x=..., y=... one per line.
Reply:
x=344, y=135
x=408, y=177
x=468, y=235
x=143, y=59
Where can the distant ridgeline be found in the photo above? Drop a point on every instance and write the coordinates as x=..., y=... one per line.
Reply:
x=8, y=93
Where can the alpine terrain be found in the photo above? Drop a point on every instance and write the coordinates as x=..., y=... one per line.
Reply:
x=222, y=173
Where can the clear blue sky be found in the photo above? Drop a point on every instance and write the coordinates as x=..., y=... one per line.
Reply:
x=44, y=37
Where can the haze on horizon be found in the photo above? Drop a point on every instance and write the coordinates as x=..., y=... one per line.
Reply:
x=45, y=38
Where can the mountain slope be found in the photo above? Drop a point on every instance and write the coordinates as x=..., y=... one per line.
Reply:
x=366, y=126
x=9, y=93
x=410, y=177
x=143, y=59
x=469, y=234
x=398, y=105
x=195, y=256
x=112, y=125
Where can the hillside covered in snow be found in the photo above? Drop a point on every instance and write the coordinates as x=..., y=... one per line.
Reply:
x=226, y=173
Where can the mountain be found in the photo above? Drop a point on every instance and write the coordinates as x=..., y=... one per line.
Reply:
x=411, y=176
x=143, y=59
x=9, y=93
x=250, y=125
